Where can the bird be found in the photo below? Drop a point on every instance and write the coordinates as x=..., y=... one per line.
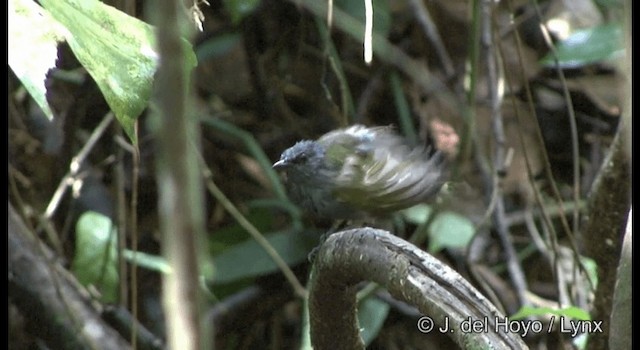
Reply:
x=359, y=172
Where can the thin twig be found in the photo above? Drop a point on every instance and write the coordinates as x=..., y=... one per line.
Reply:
x=133, y=229
x=368, y=31
x=330, y=55
x=496, y=94
x=252, y=230
x=544, y=248
x=552, y=235
x=68, y=180
x=74, y=167
x=572, y=119
x=431, y=31
x=545, y=160
x=121, y=219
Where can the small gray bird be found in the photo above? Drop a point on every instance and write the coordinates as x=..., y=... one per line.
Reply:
x=357, y=172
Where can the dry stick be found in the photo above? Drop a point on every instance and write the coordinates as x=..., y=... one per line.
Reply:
x=135, y=174
x=68, y=180
x=570, y=233
x=472, y=257
x=368, y=31
x=538, y=197
x=14, y=174
x=470, y=130
x=547, y=167
x=180, y=197
x=74, y=167
x=431, y=31
x=515, y=270
x=329, y=14
x=253, y=231
x=329, y=55
x=121, y=218
x=543, y=247
x=572, y=120
x=66, y=313
x=521, y=216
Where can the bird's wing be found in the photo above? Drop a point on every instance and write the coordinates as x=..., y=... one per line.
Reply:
x=384, y=174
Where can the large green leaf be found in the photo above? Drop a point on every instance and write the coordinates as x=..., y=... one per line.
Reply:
x=96, y=259
x=118, y=51
x=450, y=230
x=33, y=41
x=248, y=259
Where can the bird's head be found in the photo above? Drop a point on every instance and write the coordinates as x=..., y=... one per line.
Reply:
x=304, y=158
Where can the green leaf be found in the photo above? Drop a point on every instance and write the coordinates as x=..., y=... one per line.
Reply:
x=96, y=259
x=588, y=46
x=239, y=9
x=591, y=268
x=448, y=229
x=610, y=4
x=232, y=234
x=248, y=259
x=572, y=312
x=117, y=50
x=372, y=313
x=33, y=48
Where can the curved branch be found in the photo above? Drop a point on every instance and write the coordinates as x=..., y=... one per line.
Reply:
x=409, y=274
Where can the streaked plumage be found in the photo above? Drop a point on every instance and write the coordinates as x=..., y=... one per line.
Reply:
x=358, y=171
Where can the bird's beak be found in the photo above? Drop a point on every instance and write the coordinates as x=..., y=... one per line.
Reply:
x=279, y=164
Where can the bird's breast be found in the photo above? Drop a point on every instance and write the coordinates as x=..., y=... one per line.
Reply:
x=317, y=196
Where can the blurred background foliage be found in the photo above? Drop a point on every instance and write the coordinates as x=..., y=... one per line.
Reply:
x=270, y=73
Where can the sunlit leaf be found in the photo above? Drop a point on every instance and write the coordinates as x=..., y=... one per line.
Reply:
x=418, y=214
x=96, y=260
x=117, y=50
x=33, y=39
x=450, y=230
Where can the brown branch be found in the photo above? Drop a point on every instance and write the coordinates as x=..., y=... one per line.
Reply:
x=608, y=207
x=38, y=285
x=180, y=195
x=409, y=274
